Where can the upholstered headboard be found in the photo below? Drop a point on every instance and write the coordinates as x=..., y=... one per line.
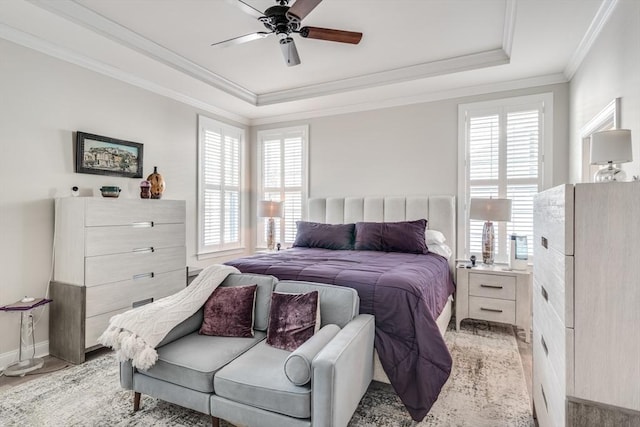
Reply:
x=440, y=211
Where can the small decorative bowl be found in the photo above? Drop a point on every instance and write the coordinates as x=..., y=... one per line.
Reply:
x=110, y=191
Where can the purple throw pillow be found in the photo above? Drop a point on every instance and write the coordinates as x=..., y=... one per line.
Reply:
x=293, y=319
x=405, y=236
x=229, y=312
x=327, y=236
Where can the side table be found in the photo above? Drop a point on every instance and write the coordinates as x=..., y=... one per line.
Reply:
x=496, y=294
x=21, y=367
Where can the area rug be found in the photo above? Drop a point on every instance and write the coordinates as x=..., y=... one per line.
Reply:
x=486, y=388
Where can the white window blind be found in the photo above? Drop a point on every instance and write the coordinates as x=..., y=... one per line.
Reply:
x=283, y=178
x=219, y=163
x=503, y=144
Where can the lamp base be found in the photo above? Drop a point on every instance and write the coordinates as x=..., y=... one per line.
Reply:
x=271, y=231
x=19, y=369
x=609, y=174
x=487, y=243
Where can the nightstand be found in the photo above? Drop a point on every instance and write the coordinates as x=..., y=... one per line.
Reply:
x=496, y=294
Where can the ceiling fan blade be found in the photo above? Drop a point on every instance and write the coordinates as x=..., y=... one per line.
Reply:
x=242, y=39
x=246, y=8
x=302, y=8
x=328, y=34
x=289, y=51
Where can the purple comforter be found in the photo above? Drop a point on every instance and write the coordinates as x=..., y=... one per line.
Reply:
x=405, y=293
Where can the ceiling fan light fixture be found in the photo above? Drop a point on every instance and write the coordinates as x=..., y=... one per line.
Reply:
x=289, y=51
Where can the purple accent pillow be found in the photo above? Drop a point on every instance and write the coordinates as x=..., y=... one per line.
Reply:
x=405, y=236
x=293, y=319
x=327, y=236
x=229, y=312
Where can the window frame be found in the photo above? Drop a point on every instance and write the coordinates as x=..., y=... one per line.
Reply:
x=206, y=251
x=280, y=133
x=543, y=101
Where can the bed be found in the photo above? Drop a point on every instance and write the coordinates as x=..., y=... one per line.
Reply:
x=409, y=294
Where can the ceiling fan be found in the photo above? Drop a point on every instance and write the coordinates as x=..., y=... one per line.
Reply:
x=283, y=20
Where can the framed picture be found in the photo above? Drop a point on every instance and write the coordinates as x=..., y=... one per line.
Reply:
x=101, y=155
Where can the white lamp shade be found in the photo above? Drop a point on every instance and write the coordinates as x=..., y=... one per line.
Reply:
x=611, y=146
x=269, y=209
x=490, y=209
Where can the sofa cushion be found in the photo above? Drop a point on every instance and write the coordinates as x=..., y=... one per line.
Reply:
x=229, y=312
x=193, y=360
x=257, y=379
x=293, y=319
x=263, y=294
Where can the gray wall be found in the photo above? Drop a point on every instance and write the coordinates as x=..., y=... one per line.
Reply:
x=42, y=102
x=411, y=149
x=610, y=70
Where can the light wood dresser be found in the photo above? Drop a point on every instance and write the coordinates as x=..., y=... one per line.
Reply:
x=110, y=255
x=586, y=305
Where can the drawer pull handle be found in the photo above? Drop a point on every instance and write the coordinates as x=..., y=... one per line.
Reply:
x=144, y=276
x=143, y=224
x=482, y=285
x=544, y=346
x=142, y=302
x=544, y=293
x=546, y=405
x=544, y=242
x=493, y=310
x=149, y=249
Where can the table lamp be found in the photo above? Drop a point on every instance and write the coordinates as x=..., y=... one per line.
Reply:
x=270, y=209
x=489, y=210
x=609, y=147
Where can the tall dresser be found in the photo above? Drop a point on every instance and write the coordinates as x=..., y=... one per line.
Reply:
x=110, y=255
x=586, y=305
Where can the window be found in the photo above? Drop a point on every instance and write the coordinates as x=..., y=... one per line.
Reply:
x=282, y=177
x=219, y=185
x=501, y=155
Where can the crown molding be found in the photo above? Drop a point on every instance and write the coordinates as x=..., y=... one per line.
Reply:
x=509, y=26
x=84, y=16
x=32, y=42
x=415, y=72
x=602, y=16
x=545, y=80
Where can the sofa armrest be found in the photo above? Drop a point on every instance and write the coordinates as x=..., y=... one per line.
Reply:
x=126, y=375
x=342, y=372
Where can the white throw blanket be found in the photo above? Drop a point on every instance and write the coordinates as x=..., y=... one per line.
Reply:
x=136, y=333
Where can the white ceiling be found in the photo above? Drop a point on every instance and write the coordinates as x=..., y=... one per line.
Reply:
x=411, y=50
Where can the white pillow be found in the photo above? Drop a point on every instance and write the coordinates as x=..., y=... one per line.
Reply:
x=434, y=237
x=440, y=249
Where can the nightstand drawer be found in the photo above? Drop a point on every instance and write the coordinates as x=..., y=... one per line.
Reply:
x=492, y=309
x=492, y=286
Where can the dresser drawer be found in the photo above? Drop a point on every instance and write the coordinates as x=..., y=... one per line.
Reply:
x=492, y=286
x=113, y=296
x=553, y=218
x=96, y=325
x=133, y=265
x=550, y=336
x=130, y=211
x=492, y=309
x=554, y=273
x=126, y=238
x=548, y=391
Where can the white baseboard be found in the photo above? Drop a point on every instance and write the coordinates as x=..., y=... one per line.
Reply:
x=6, y=359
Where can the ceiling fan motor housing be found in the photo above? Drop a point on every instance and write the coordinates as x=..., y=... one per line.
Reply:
x=275, y=19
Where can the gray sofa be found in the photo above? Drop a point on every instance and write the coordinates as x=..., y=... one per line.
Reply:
x=242, y=380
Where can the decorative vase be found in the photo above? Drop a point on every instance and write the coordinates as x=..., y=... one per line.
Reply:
x=157, y=183
x=145, y=190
